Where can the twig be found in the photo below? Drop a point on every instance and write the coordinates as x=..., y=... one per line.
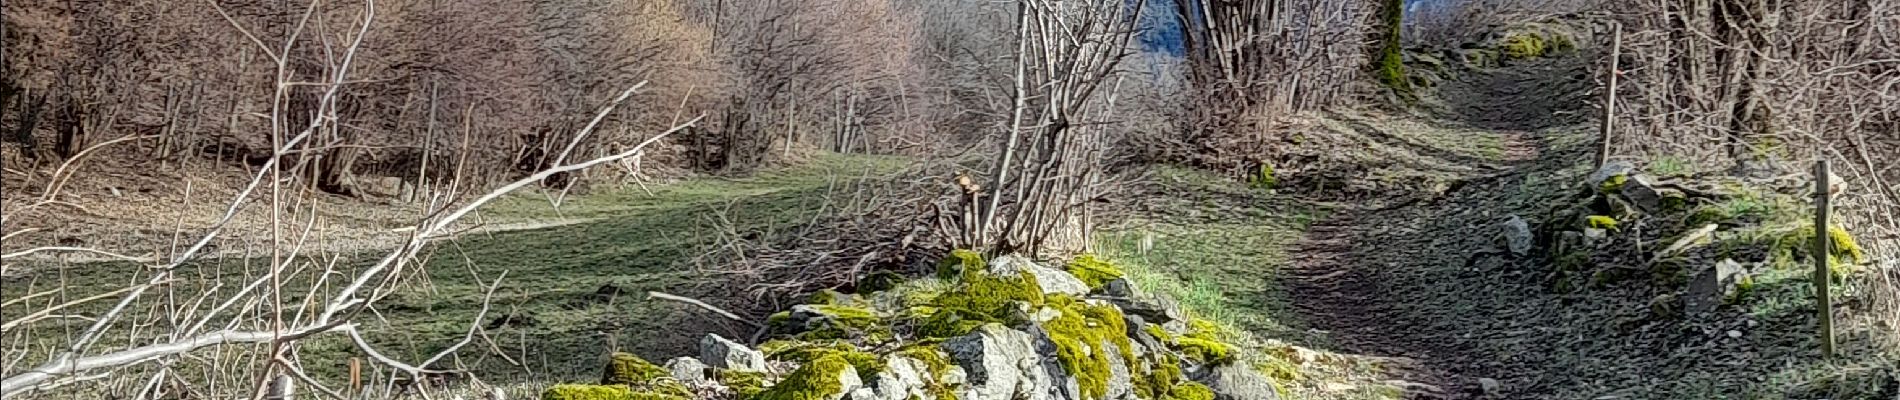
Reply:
x=701, y=304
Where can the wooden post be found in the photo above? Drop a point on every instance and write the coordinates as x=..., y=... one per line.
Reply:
x=356, y=375
x=1823, y=304
x=1609, y=98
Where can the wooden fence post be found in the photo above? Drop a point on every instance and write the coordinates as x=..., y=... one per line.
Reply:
x=1823, y=304
x=1609, y=97
x=356, y=376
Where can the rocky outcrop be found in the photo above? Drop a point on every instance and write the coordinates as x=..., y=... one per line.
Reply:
x=1006, y=329
x=719, y=352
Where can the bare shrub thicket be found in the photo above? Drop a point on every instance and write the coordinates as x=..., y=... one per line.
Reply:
x=177, y=328
x=1766, y=88
x=1251, y=63
x=833, y=74
x=1448, y=24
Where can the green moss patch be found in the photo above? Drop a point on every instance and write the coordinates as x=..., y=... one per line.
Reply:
x=640, y=376
x=817, y=379
x=959, y=261
x=1093, y=271
x=866, y=363
x=1600, y=222
x=1081, y=334
x=977, y=298
x=1190, y=391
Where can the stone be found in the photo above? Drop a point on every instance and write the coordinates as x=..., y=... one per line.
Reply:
x=689, y=371
x=1052, y=280
x=1490, y=386
x=1712, y=286
x=1642, y=193
x=1236, y=382
x=1734, y=334
x=1120, y=287
x=1609, y=169
x=902, y=378
x=1155, y=309
x=998, y=364
x=718, y=352
x=1516, y=235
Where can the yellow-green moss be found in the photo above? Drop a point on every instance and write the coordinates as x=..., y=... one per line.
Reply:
x=1162, y=372
x=1264, y=178
x=1093, y=271
x=641, y=376
x=1743, y=288
x=601, y=392
x=1613, y=184
x=1600, y=222
x=957, y=262
x=1278, y=369
x=1206, y=351
x=1204, y=343
x=1081, y=334
x=1524, y=45
x=627, y=369
x=866, y=363
x=1159, y=333
x=1190, y=391
x=746, y=383
x=817, y=379
x=978, y=298
x=1787, y=250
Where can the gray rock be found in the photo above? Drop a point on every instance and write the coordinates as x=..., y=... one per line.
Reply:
x=1120, y=379
x=1516, y=235
x=718, y=352
x=688, y=371
x=1609, y=169
x=1151, y=308
x=1052, y=280
x=1058, y=385
x=1642, y=193
x=1490, y=386
x=1236, y=382
x=903, y=378
x=848, y=381
x=1712, y=286
x=998, y=364
x=1120, y=287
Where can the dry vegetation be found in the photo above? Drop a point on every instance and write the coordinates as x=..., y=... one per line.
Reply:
x=275, y=184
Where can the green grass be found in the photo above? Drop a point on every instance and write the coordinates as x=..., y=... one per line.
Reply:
x=1220, y=247
x=626, y=239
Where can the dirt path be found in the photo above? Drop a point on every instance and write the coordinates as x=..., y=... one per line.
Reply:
x=1357, y=275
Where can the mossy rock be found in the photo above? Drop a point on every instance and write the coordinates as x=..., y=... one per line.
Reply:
x=1081, y=334
x=1603, y=222
x=1613, y=184
x=1203, y=343
x=626, y=369
x=629, y=369
x=1190, y=391
x=1524, y=45
x=601, y=392
x=979, y=297
x=958, y=262
x=866, y=363
x=1093, y=271
x=822, y=378
x=745, y=383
